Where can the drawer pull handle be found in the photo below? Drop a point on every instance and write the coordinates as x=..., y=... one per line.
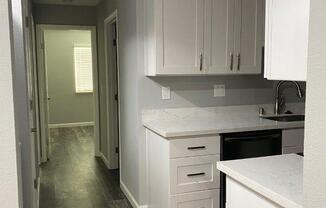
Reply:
x=196, y=148
x=195, y=174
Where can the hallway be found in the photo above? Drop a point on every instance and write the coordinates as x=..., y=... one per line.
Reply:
x=74, y=178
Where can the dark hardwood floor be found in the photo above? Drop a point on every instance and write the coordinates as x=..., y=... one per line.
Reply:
x=74, y=178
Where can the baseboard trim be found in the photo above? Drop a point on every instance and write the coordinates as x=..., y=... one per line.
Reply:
x=67, y=125
x=130, y=197
x=106, y=162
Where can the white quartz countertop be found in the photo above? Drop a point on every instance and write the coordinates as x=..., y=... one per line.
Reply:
x=171, y=123
x=278, y=178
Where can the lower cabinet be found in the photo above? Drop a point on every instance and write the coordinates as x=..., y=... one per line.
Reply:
x=292, y=141
x=182, y=172
x=239, y=196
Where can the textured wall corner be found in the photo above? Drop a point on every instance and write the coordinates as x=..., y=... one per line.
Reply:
x=315, y=136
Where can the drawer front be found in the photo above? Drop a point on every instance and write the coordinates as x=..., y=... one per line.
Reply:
x=290, y=150
x=194, y=146
x=292, y=137
x=194, y=174
x=201, y=199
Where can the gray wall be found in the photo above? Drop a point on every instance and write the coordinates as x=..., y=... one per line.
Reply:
x=64, y=15
x=105, y=8
x=315, y=142
x=66, y=106
x=139, y=92
x=8, y=156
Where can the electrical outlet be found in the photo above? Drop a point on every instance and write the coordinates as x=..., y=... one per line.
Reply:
x=219, y=90
x=166, y=93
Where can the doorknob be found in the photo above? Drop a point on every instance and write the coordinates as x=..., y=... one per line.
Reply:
x=34, y=130
x=49, y=98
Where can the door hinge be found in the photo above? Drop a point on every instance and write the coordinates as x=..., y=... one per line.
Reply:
x=116, y=97
x=35, y=183
x=26, y=21
x=31, y=104
x=117, y=150
x=114, y=42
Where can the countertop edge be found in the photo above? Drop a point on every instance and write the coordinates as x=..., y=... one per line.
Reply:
x=173, y=135
x=256, y=187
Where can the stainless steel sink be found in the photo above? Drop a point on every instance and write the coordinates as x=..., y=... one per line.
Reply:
x=285, y=118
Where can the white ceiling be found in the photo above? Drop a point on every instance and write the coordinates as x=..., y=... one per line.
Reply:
x=69, y=2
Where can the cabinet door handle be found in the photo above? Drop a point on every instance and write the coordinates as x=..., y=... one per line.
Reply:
x=239, y=61
x=231, y=64
x=201, y=62
x=196, y=174
x=196, y=148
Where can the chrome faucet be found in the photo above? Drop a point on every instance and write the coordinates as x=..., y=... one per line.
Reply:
x=279, y=100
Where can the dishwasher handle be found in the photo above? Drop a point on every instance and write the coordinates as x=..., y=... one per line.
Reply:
x=269, y=136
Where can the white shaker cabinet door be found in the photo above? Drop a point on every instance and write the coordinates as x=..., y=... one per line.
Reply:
x=180, y=37
x=286, y=39
x=249, y=36
x=219, y=36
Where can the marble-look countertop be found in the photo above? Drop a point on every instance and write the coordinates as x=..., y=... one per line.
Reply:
x=278, y=178
x=179, y=122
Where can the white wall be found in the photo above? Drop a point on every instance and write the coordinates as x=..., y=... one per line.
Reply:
x=64, y=14
x=8, y=159
x=315, y=136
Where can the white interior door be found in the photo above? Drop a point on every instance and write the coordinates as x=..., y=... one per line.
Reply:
x=111, y=44
x=181, y=37
x=43, y=94
x=32, y=107
x=219, y=36
x=249, y=36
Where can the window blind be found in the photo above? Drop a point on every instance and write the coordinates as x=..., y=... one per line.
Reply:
x=83, y=69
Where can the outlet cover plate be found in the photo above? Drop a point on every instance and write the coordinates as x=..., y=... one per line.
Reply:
x=166, y=93
x=219, y=90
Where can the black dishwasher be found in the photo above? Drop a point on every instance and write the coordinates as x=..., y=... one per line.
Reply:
x=247, y=145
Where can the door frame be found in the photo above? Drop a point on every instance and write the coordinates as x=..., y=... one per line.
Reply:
x=114, y=161
x=40, y=28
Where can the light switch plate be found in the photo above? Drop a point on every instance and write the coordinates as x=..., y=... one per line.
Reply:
x=166, y=93
x=219, y=90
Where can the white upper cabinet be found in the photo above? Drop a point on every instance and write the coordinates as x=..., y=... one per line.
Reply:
x=174, y=40
x=219, y=36
x=234, y=36
x=286, y=39
x=249, y=36
x=203, y=37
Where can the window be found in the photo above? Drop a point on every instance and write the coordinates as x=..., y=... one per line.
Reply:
x=83, y=68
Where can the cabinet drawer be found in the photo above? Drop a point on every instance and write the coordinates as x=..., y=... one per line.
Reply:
x=290, y=150
x=292, y=137
x=194, y=174
x=202, y=199
x=194, y=146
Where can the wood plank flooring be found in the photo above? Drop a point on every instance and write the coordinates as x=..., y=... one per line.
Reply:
x=74, y=178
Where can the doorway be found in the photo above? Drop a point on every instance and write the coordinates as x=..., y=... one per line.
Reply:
x=68, y=84
x=70, y=174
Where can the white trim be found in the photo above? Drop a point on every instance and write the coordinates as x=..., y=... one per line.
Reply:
x=114, y=162
x=40, y=28
x=38, y=191
x=105, y=160
x=67, y=125
x=130, y=197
